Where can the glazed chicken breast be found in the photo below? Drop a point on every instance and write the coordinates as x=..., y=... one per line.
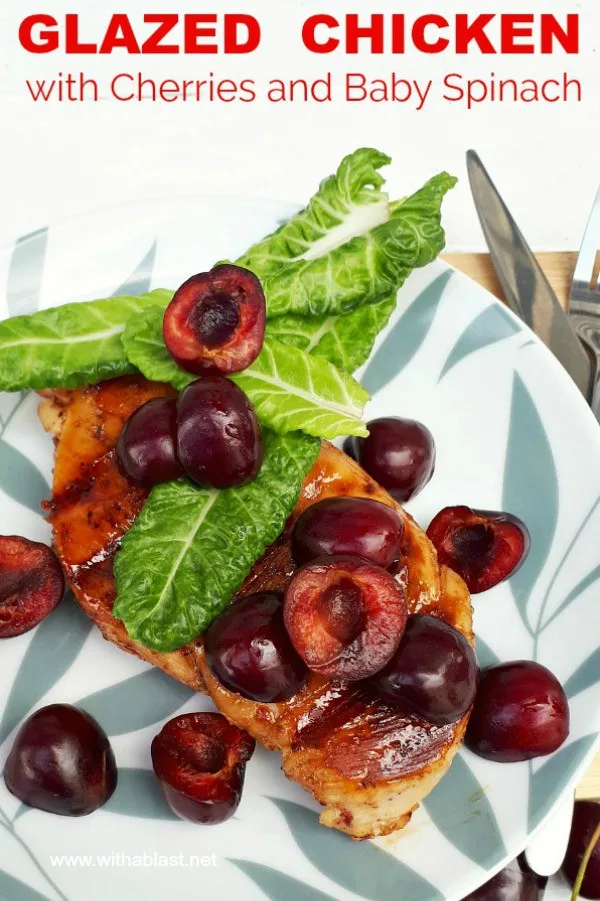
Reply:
x=365, y=760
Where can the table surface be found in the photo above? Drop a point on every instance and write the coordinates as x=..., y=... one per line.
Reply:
x=559, y=268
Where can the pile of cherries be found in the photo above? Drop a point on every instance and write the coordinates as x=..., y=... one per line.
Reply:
x=214, y=326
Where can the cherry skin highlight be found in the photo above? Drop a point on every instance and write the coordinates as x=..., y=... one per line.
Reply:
x=200, y=760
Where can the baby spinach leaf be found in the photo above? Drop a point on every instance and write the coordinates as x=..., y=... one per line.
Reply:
x=290, y=390
x=64, y=347
x=346, y=204
x=368, y=266
x=191, y=548
x=346, y=341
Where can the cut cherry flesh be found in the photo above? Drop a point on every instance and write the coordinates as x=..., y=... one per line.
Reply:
x=219, y=441
x=200, y=760
x=216, y=321
x=31, y=584
x=520, y=712
x=62, y=762
x=249, y=651
x=586, y=819
x=348, y=525
x=398, y=453
x=516, y=882
x=146, y=449
x=482, y=546
x=433, y=671
x=345, y=616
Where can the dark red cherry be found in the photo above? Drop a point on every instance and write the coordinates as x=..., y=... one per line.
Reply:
x=586, y=820
x=200, y=760
x=520, y=712
x=146, y=449
x=249, y=651
x=216, y=321
x=481, y=546
x=516, y=882
x=398, y=453
x=219, y=442
x=31, y=584
x=348, y=525
x=62, y=762
x=433, y=671
x=345, y=616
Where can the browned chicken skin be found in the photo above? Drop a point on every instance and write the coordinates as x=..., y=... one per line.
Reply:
x=366, y=761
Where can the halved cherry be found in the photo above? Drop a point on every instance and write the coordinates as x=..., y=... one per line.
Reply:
x=216, y=321
x=31, y=584
x=345, y=616
x=200, y=760
x=483, y=547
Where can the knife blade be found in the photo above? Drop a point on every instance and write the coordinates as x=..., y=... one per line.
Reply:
x=526, y=288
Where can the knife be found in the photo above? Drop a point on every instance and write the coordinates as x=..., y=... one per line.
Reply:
x=526, y=288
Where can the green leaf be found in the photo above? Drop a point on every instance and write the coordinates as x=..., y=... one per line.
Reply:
x=139, y=795
x=277, y=885
x=20, y=479
x=360, y=867
x=191, y=548
x=136, y=703
x=460, y=809
x=54, y=647
x=290, y=390
x=76, y=344
x=368, y=266
x=346, y=204
x=346, y=341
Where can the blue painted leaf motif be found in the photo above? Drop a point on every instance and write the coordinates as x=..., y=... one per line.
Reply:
x=587, y=582
x=530, y=489
x=362, y=868
x=460, y=809
x=405, y=337
x=140, y=279
x=279, y=886
x=137, y=702
x=24, y=283
x=542, y=786
x=138, y=794
x=488, y=327
x=585, y=676
x=485, y=655
x=54, y=647
x=12, y=889
x=20, y=479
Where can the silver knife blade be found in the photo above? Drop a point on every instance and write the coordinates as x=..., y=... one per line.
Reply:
x=526, y=288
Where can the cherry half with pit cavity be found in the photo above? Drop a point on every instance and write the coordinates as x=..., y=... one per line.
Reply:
x=345, y=616
x=216, y=321
x=520, y=712
x=31, y=584
x=61, y=762
x=200, y=760
x=482, y=546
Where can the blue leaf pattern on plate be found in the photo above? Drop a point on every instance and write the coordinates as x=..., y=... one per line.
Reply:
x=530, y=489
x=12, y=889
x=488, y=327
x=485, y=655
x=138, y=794
x=20, y=479
x=584, y=676
x=54, y=647
x=405, y=337
x=462, y=812
x=25, y=274
x=542, y=786
x=279, y=886
x=585, y=583
x=141, y=278
x=137, y=702
x=362, y=868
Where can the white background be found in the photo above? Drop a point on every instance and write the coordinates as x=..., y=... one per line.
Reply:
x=60, y=159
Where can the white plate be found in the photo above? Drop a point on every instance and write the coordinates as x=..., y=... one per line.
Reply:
x=512, y=433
